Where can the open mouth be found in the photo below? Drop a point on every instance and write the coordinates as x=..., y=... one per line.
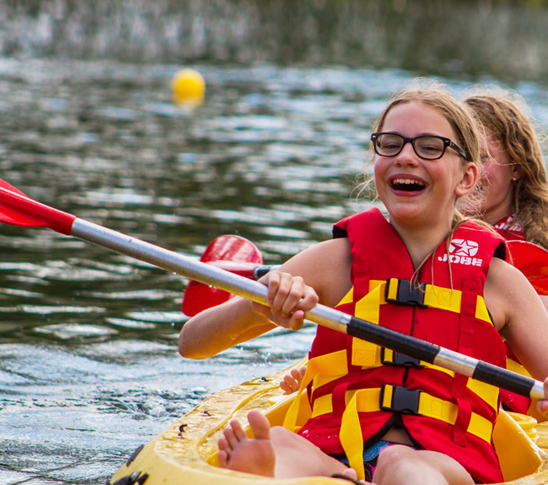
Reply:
x=407, y=185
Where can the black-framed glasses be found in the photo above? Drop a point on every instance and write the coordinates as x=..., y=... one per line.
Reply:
x=427, y=147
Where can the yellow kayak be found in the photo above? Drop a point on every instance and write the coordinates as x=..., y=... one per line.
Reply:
x=185, y=453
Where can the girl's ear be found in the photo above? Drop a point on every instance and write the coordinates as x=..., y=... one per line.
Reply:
x=516, y=171
x=468, y=180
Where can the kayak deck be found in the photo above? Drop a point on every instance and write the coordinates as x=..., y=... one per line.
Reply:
x=185, y=453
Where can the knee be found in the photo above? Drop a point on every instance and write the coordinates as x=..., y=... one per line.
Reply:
x=400, y=453
x=402, y=464
x=396, y=461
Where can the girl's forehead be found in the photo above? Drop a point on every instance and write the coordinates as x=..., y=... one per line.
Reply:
x=419, y=118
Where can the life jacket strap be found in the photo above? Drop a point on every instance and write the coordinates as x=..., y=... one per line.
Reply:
x=425, y=295
x=399, y=399
x=405, y=292
x=390, y=357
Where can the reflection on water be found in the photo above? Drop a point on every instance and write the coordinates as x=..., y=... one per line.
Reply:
x=453, y=37
x=88, y=362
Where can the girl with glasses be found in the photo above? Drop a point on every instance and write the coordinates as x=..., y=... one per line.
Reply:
x=373, y=414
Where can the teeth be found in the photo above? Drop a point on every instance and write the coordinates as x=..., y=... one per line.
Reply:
x=407, y=182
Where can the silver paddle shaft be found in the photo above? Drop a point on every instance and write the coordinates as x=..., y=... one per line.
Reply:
x=320, y=314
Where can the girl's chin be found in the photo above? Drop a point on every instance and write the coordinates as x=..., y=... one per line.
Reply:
x=414, y=214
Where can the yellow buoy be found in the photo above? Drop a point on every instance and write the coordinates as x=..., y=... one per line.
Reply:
x=188, y=87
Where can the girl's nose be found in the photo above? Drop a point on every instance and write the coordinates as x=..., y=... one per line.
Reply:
x=407, y=156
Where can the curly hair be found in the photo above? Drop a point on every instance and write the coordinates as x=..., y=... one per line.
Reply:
x=510, y=126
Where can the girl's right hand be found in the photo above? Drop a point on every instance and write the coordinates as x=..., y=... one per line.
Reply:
x=292, y=381
x=289, y=298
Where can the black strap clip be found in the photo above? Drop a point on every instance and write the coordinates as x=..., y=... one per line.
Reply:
x=390, y=357
x=405, y=401
x=405, y=292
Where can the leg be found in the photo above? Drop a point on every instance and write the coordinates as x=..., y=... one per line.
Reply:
x=273, y=452
x=402, y=464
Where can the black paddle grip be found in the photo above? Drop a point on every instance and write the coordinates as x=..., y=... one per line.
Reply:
x=393, y=340
x=503, y=378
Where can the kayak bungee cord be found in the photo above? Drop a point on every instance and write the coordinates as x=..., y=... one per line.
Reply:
x=18, y=209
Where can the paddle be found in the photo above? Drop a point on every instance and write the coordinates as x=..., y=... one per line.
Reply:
x=18, y=209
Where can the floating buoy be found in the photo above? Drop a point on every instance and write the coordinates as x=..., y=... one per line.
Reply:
x=188, y=87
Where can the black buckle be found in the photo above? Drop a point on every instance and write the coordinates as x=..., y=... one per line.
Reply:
x=405, y=401
x=389, y=357
x=407, y=293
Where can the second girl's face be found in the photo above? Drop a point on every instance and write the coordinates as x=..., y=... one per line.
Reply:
x=496, y=186
x=417, y=191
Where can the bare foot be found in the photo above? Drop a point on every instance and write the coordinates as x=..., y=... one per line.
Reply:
x=239, y=453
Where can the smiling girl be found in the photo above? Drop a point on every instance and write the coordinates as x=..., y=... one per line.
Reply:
x=426, y=272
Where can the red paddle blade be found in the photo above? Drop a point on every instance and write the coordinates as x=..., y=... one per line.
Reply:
x=532, y=261
x=19, y=210
x=198, y=296
x=14, y=218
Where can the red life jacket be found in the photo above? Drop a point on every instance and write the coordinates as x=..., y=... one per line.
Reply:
x=359, y=390
x=509, y=229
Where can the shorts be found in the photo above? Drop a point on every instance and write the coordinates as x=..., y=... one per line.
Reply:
x=370, y=457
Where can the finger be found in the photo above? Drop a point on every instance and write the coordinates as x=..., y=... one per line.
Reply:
x=296, y=321
x=289, y=291
x=285, y=388
x=296, y=373
x=289, y=381
x=294, y=300
x=286, y=384
x=273, y=282
x=308, y=300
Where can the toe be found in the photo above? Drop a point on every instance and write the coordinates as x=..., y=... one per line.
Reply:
x=230, y=438
x=222, y=458
x=238, y=431
x=259, y=424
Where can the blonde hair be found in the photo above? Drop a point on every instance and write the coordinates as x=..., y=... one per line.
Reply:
x=502, y=116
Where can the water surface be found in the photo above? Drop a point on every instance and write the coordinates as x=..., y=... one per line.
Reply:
x=89, y=367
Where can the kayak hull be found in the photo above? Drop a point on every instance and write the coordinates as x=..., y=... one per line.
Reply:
x=185, y=453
